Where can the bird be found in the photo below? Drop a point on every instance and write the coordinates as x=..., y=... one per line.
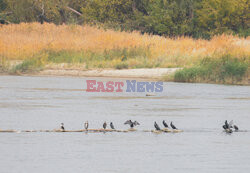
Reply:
x=131, y=123
x=173, y=127
x=62, y=127
x=230, y=124
x=227, y=126
x=224, y=127
x=86, y=125
x=112, y=126
x=236, y=128
x=104, y=125
x=165, y=124
x=156, y=126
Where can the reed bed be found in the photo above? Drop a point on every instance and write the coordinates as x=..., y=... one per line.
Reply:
x=92, y=47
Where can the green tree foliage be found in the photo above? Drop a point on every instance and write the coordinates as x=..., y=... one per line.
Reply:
x=2, y=13
x=2, y=6
x=196, y=18
x=108, y=11
x=219, y=16
x=169, y=17
x=55, y=11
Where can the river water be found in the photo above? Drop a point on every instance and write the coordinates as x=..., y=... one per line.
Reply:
x=42, y=103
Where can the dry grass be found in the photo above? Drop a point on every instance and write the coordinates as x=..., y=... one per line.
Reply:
x=26, y=40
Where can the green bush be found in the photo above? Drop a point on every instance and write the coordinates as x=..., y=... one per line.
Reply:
x=32, y=64
x=222, y=70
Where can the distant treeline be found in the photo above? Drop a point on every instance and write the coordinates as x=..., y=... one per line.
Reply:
x=195, y=18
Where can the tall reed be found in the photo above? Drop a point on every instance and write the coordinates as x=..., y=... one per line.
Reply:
x=25, y=40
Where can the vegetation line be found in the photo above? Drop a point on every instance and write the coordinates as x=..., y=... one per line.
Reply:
x=223, y=59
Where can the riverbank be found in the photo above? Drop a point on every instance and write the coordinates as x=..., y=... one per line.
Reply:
x=157, y=73
x=162, y=74
x=148, y=74
x=224, y=70
x=74, y=50
x=26, y=68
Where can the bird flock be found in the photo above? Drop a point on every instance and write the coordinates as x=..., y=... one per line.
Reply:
x=132, y=125
x=228, y=127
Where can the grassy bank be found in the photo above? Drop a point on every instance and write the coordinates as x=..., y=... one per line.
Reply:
x=85, y=47
x=226, y=70
x=114, y=58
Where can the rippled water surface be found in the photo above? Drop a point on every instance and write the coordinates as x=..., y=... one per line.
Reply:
x=42, y=103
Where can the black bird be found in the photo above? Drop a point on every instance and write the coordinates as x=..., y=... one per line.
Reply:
x=224, y=127
x=132, y=124
x=86, y=125
x=112, y=126
x=62, y=127
x=236, y=128
x=104, y=125
x=226, y=124
x=165, y=124
x=229, y=125
x=173, y=127
x=156, y=126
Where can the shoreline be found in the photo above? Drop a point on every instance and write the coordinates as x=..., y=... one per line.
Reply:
x=160, y=74
x=154, y=73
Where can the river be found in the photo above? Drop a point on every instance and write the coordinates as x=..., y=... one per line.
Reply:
x=43, y=103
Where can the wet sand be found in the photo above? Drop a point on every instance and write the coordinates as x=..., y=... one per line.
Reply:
x=156, y=73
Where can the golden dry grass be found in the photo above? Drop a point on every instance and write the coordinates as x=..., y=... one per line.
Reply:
x=21, y=41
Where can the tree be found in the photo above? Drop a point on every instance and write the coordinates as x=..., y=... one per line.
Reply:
x=168, y=17
x=56, y=11
x=196, y=18
x=108, y=11
x=220, y=16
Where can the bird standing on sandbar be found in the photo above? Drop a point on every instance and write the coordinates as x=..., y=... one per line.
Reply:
x=86, y=125
x=165, y=124
x=112, y=126
x=104, y=125
x=132, y=124
x=227, y=127
x=173, y=126
x=236, y=128
x=157, y=126
x=62, y=127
